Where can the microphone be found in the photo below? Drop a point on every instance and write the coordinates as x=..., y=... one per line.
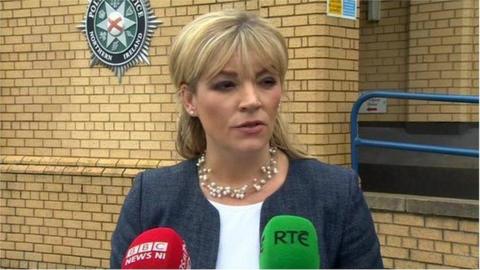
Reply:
x=157, y=248
x=289, y=242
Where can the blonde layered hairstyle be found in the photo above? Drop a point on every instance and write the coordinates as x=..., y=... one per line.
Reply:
x=203, y=48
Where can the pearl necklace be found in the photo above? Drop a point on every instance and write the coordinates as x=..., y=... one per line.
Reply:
x=217, y=191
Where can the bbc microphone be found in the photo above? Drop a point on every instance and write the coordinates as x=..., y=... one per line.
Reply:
x=157, y=248
x=289, y=242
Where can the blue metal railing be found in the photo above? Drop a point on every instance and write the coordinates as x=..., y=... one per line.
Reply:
x=356, y=141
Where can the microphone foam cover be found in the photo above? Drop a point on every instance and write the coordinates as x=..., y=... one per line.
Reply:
x=158, y=248
x=289, y=242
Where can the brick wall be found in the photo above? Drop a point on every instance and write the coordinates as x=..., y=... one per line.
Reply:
x=54, y=104
x=425, y=241
x=422, y=46
x=61, y=213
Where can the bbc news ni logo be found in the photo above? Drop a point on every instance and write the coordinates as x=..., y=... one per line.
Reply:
x=146, y=247
x=118, y=33
x=147, y=251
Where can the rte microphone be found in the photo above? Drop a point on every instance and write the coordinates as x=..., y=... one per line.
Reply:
x=289, y=242
x=158, y=248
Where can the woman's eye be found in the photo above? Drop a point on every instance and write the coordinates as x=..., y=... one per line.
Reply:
x=268, y=82
x=223, y=85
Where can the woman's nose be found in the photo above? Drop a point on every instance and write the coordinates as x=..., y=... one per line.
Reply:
x=249, y=99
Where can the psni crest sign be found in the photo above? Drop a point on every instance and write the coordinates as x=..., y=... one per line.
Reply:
x=118, y=32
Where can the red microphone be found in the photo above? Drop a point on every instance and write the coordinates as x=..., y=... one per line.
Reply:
x=158, y=248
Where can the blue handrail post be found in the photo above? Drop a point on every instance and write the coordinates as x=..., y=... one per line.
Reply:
x=356, y=141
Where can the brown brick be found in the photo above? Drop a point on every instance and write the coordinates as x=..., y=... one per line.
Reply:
x=460, y=249
x=131, y=172
x=92, y=207
x=147, y=163
x=394, y=241
x=112, y=190
x=469, y=226
x=72, y=242
x=102, y=217
x=93, y=171
x=62, y=250
x=392, y=229
x=43, y=248
x=437, y=266
x=112, y=172
x=387, y=262
x=32, y=238
x=426, y=245
x=70, y=260
x=394, y=252
x=74, y=206
x=90, y=262
x=92, y=189
x=474, y=251
x=24, y=246
x=51, y=258
x=407, y=264
x=461, y=237
x=101, y=253
x=382, y=238
x=90, y=225
x=15, y=255
x=461, y=261
x=82, y=216
x=281, y=10
x=443, y=247
x=425, y=256
x=75, y=224
x=63, y=214
x=426, y=233
x=120, y=181
x=46, y=213
x=313, y=8
x=111, y=208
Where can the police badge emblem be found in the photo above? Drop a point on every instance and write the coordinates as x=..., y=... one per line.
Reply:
x=118, y=32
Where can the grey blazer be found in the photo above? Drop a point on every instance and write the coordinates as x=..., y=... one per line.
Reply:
x=327, y=195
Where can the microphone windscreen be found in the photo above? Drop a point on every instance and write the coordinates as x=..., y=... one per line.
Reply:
x=158, y=248
x=289, y=242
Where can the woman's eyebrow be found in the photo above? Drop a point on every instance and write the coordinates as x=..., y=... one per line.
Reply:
x=263, y=71
x=227, y=73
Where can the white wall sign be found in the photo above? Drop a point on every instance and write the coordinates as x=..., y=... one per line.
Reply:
x=374, y=105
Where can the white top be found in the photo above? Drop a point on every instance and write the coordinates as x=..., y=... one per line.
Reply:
x=239, y=236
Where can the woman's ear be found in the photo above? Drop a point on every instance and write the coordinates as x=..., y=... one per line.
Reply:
x=188, y=99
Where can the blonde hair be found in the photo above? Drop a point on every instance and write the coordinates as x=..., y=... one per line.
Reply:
x=204, y=47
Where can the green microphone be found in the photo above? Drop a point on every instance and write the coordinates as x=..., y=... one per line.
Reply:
x=289, y=242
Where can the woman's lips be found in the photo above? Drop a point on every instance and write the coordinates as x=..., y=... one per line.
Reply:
x=251, y=129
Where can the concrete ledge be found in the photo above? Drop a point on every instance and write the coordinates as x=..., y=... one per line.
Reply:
x=85, y=162
x=423, y=205
x=77, y=166
x=69, y=170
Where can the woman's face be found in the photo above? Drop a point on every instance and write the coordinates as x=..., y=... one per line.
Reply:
x=238, y=109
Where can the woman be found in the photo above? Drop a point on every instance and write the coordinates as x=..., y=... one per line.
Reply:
x=240, y=169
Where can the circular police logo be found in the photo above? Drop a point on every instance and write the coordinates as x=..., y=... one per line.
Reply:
x=118, y=32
